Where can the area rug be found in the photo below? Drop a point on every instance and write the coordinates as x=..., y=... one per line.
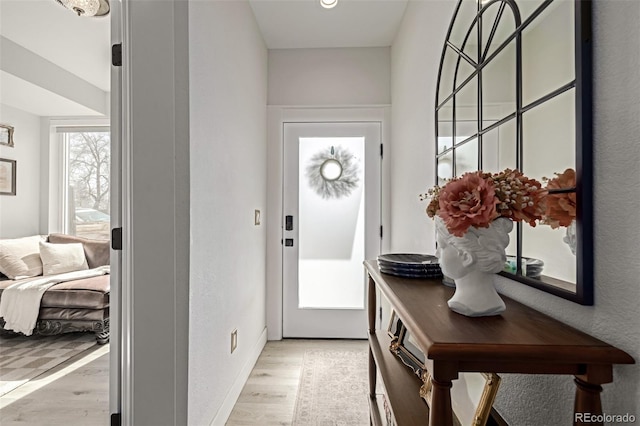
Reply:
x=24, y=358
x=333, y=389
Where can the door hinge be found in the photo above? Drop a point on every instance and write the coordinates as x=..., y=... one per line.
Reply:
x=116, y=55
x=381, y=151
x=116, y=238
x=116, y=419
x=380, y=231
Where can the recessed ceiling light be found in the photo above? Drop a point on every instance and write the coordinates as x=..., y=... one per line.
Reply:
x=328, y=4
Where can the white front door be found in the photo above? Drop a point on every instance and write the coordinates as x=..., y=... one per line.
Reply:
x=331, y=224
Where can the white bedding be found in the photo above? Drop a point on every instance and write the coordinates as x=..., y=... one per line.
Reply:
x=20, y=302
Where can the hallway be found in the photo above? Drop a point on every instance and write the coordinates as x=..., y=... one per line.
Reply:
x=269, y=396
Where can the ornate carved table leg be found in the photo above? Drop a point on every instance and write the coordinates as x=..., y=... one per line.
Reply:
x=588, y=389
x=372, y=330
x=372, y=376
x=587, y=401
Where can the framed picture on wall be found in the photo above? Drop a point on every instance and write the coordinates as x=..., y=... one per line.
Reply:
x=7, y=177
x=472, y=397
x=6, y=135
x=395, y=326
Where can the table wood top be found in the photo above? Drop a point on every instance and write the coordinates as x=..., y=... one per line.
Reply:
x=519, y=334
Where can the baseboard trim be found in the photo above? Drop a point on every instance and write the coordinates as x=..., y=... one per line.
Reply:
x=230, y=401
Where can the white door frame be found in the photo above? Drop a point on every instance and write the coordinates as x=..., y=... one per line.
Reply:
x=276, y=117
x=150, y=107
x=115, y=298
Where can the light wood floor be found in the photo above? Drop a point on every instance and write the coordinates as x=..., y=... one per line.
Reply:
x=269, y=396
x=76, y=393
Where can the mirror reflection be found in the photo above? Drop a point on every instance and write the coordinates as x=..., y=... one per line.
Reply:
x=448, y=73
x=466, y=119
x=467, y=157
x=445, y=127
x=499, y=84
x=546, y=130
x=527, y=79
x=496, y=30
x=553, y=29
x=498, y=147
x=445, y=168
x=464, y=20
x=527, y=7
x=547, y=245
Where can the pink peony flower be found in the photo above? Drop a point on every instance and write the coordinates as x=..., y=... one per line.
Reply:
x=469, y=200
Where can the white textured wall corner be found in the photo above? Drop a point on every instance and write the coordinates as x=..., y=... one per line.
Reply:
x=526, y=400
x=415, y=58
x=228, y=98
x=20, y=214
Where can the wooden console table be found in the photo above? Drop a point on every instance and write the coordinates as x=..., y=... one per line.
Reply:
x=521, y=340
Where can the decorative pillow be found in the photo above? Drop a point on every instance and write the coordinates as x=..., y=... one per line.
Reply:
x=20, y=257
x=61, y=258
x=96, y=251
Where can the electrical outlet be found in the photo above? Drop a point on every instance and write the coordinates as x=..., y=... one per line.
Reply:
x=234, y=340
x=256, y=217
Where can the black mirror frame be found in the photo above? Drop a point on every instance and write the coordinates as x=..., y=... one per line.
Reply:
x=584, y=293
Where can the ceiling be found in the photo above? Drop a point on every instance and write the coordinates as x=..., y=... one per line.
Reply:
x=79, y=45
x=57, y=38
x=67, y=59
x=287, y=24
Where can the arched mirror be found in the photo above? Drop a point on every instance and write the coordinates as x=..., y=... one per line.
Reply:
x=514, y=91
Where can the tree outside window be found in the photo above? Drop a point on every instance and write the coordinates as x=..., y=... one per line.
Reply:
x=88, y=177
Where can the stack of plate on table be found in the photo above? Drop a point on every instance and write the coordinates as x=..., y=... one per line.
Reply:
x=531, y=267
x=410, y=265
x=534, y=267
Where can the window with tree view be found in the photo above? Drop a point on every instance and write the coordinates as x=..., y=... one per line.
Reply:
x=87, y=172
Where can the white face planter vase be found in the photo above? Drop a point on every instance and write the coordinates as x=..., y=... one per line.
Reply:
x=472, y=262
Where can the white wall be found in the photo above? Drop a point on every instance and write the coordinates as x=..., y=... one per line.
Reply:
x=348, y=76
x=415, y=58
x=228, y=92
x=20, y=214
x=535, y=400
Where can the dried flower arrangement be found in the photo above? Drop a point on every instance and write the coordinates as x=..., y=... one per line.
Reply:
x=478, y=198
